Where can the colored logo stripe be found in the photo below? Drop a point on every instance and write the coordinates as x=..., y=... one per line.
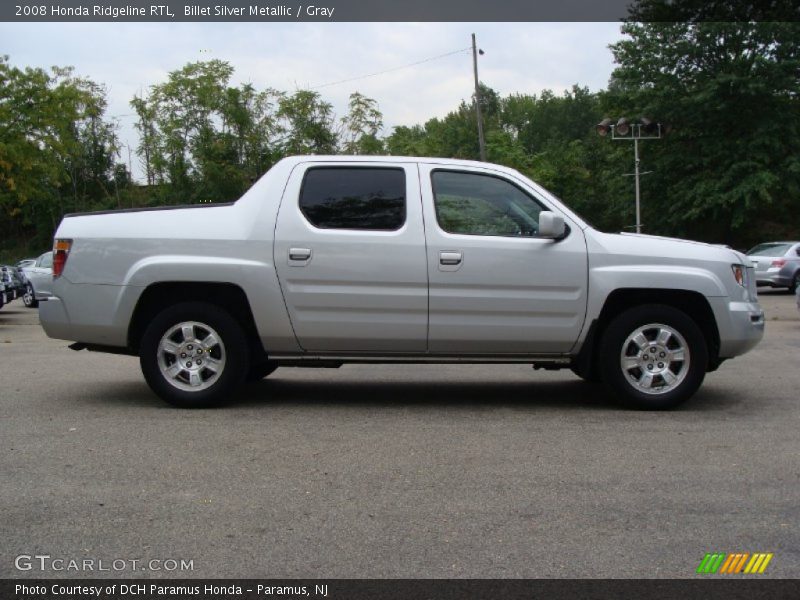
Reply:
x=710, y=563
x=734, y=563
x=758, y=563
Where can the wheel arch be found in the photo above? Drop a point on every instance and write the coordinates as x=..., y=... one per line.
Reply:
x=228, y=296
x=694, y=304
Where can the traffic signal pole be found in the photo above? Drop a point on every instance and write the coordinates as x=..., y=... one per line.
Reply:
x=623, y=130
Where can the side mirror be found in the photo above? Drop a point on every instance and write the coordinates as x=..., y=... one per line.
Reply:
x=551, y=225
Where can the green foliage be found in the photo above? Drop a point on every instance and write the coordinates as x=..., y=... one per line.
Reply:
x=361, y=126
x=202, y=139
x=308, y=124
x=729, y=94
x=56, y=150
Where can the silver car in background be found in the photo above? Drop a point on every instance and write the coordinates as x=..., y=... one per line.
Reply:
x=24, y=264
x=39, y=284
x=777, y=264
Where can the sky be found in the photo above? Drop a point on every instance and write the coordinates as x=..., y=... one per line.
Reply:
x=130, y=57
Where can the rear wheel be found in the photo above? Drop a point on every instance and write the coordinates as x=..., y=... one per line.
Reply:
x=194, y=355
x=653, y=357
x=29, y=298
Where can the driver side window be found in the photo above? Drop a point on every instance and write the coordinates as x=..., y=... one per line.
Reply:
x=476, y=204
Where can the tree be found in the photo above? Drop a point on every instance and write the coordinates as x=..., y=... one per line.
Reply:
x=57, y=152
x=360, y=127
x=203, y=139
x=308, y=124
x=729, y=92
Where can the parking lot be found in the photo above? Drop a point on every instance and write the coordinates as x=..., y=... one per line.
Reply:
x=396, y=471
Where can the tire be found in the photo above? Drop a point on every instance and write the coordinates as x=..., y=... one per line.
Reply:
x=591, y=377
x=670, y=370
x=795, y=283
x=184, y=331
x=259, y=371
x=29, y=298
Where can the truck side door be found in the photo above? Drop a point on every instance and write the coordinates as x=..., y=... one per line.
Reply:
x=350, y=256
x=495, y=286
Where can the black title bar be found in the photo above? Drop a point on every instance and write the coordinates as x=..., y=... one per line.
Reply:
x=711, y=588
x=395, y=10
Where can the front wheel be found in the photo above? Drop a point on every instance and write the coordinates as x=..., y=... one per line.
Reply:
x=194, y=355
x=29, y=298
x=653, y=357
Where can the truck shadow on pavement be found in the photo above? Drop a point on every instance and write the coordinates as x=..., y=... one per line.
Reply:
x=292, y=393
x=558, y=395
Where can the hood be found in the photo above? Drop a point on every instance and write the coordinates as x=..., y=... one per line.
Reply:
x=661, y=247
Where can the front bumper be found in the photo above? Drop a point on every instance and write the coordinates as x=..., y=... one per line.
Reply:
x=741, y=326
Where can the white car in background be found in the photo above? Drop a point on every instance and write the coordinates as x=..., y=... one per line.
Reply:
x=39, y=284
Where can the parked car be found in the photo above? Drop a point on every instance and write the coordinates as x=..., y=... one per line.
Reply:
x=23, y=264
x=777, y=264
x=39, y=282
x=2, y=294
x=14, y=288
x=331, y=260
x=26, y=262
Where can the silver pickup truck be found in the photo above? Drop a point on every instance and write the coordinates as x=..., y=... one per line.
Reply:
x=329, y=260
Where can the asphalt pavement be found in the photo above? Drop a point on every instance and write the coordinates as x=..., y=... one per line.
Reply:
x=394, y=471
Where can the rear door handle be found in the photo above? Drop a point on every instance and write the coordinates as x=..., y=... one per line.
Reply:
x=299, y=255
x=450, y=258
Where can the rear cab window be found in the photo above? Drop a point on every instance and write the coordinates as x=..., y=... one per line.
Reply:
x=360, y=198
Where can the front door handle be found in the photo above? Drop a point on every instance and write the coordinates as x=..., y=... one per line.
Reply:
x=299, y=255
x=450, y=259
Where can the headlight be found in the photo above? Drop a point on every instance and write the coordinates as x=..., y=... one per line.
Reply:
x=739, y=274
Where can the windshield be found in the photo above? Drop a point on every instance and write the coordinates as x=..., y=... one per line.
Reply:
x=775, y=249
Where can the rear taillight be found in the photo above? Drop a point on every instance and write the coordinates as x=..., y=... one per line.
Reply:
x=778, y=263
x=60, y=254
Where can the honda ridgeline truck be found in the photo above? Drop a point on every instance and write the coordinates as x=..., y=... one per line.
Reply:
x=329, y=260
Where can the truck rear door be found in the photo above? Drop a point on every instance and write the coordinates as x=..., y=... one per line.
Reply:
x=350, y=256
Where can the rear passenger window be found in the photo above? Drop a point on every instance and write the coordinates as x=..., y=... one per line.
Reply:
x=354, y=198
